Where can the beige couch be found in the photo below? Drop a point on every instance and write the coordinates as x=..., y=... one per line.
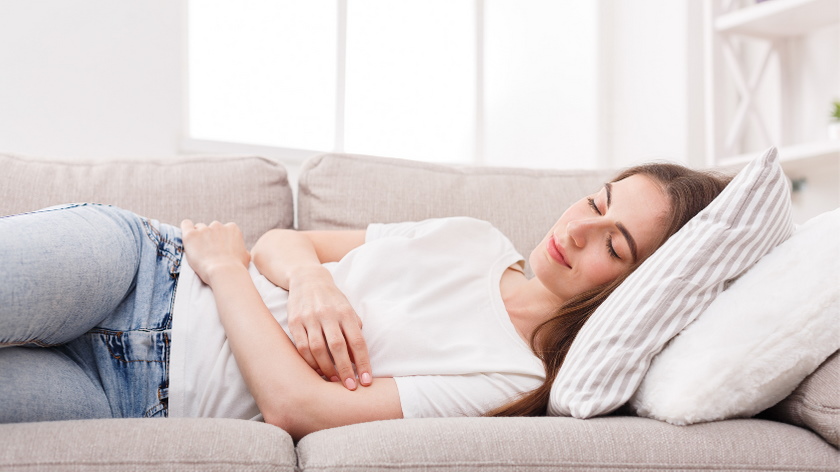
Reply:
x=341, y=191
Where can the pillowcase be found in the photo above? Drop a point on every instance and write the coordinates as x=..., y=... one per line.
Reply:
x=758, y=340
x=612, y=352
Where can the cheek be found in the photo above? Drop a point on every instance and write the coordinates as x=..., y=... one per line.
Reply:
x=601, y=270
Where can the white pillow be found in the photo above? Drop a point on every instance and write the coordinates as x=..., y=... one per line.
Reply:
x=758, y=340
x=612, y=352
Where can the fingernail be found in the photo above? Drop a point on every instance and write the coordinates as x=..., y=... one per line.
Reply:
x=365, y=378
x=334, y=379
x=350, y=383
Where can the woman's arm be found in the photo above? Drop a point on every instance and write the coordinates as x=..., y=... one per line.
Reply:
x=288, y=392
x=326, y=329
x=280, y=253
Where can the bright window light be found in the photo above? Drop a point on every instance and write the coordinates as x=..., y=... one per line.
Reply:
x=541, y=79
x=263, y=72
x=496, y=82
x=411, y=79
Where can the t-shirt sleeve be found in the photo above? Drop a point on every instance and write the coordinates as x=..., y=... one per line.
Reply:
x=428, y=396
x=448, y=225
x=383, y=230
x=408, y=229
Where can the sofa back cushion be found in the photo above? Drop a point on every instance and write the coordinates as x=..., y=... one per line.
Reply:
x=340, y=191
x=815, y=404
x=252, y=191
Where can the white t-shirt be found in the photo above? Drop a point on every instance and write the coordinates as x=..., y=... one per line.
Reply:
x=432, y=313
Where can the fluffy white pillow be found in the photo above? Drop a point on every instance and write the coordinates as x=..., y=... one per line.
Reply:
x=758, y=340
x=612, y=352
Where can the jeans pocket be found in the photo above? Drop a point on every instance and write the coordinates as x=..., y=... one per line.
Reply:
x=167, y=243
x=133, y=367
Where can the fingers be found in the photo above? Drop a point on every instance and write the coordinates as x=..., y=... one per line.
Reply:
x=341, y=357
x=332, y=351
x=187, y=225
x=327, y=330
x=302, y=344
x=312, y=347
x=358, y=351
x=318, y=347
x=215, y=227
x=213, y=248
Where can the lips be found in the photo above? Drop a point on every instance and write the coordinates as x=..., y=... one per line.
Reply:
x=556, y=252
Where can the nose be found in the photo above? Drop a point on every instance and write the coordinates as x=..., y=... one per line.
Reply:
x=581, y=230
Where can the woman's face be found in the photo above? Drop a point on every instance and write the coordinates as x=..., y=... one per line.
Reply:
x=601, y=236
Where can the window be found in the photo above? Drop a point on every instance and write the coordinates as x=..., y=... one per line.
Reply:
x=498, y=82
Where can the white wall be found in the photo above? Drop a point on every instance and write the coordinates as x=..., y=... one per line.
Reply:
x=91, y=78
x=104, y=79
x=654, y=79
x=521, y=75
x=817, y=85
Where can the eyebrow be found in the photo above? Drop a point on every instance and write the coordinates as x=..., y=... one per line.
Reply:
x=630, y=241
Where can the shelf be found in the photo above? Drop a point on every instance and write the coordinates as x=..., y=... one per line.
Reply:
x=780, y=18
x=794, y=158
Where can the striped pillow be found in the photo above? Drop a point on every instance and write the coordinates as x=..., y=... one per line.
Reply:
x=613, y=350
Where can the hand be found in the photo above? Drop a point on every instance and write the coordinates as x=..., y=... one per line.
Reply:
x=326, y=329
x=213, y=248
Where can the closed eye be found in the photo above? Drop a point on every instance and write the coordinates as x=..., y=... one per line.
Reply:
x=593, y=205
x=611, y=248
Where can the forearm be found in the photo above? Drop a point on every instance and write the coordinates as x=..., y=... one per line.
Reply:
x=267, y=359
x=287, y=391
x=322, y=322
x=280, y=254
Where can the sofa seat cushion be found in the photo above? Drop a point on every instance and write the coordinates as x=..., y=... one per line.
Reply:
x=184, y=444
x=252, y=191
x=558, y=444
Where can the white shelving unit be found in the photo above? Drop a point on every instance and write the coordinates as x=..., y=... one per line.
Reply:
x=779, y=19
x=775, y=23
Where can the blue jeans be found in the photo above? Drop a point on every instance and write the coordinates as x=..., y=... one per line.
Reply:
x=86, y=294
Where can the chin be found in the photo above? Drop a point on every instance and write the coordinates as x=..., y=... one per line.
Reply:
x=536, y=262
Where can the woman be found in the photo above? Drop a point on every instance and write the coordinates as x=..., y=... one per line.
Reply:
x=97, y=286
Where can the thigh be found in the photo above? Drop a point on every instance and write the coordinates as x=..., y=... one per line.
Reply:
x=132, y=368
x=111, y=279
x=129, y=348
x=47, y=385
x=63, y=270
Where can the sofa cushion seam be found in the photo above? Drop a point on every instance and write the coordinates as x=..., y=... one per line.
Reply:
x=455, y=170
x=814, y=406
x=574, y=465
x=128, y=462
x=202, y=159
x=591, y=464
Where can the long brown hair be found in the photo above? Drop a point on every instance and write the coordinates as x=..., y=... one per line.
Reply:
x=688, y=192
